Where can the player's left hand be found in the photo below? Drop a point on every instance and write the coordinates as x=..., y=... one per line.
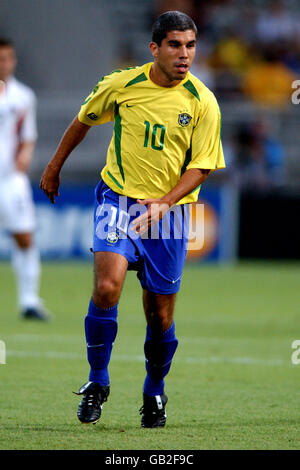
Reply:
x=50, y=182
x=157, y=208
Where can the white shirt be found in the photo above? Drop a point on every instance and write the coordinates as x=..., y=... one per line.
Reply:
x=17, y=122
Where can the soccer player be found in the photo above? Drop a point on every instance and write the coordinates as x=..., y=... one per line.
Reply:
x=17, y=140
x=166, y=141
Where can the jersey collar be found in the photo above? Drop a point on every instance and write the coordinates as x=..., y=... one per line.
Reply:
x=147, y=73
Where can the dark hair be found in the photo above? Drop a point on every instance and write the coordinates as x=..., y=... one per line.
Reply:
x=5, y=42
x=171, y=21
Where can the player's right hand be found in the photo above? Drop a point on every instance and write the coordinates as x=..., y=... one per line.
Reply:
x=50, y=182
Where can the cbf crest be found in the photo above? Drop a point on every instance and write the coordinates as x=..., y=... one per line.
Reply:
x=184, y=119
x=112, y=237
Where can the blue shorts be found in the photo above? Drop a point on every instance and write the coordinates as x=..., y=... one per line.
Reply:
x=158, y=256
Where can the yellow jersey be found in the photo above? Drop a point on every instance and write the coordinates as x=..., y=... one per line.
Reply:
x=159, y=132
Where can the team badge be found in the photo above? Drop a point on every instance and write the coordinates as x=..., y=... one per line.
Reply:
x=112, y=237
x=184, y=119
x=93, y=116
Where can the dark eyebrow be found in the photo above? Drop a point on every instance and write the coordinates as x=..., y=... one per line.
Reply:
x=174, y=42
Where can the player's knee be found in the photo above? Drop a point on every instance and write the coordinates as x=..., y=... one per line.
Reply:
x=25, y=244
x=24, y=241
x=159, y=322
x=165, y=323
x=106, y=292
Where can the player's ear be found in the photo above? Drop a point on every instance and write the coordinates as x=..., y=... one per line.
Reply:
x=154, y=49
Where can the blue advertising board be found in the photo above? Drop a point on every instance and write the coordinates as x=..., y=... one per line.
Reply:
x=65, y=229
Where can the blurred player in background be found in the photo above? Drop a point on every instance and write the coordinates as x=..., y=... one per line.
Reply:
x=18, y=134
x=166, y=141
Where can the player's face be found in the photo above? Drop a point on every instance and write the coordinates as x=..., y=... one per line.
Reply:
x=7, y=62
x=176, y=53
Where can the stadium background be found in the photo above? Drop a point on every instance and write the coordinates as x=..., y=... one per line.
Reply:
x=249, y=55
x=64, y=52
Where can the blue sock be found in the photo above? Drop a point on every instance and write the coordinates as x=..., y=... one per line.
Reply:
x=159, y=352
x=100, y=332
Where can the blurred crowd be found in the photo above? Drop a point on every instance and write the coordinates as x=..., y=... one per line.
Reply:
x=255, y=158
x=245, y=49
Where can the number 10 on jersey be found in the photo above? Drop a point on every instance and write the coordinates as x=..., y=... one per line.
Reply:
x=156, y=130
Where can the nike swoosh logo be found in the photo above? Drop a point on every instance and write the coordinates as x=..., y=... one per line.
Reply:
x=129, y=106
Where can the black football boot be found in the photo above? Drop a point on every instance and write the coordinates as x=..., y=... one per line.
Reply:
x=153, y=411
x=90, y=407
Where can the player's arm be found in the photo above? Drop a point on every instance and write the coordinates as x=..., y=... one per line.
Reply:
x=189, y=181
x=97, y=109
x=26, y=129
x=24, y=155
x=157, y=208
x=72, y=137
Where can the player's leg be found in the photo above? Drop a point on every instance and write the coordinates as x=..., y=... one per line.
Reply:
x=20, y=222
x=23, y=240
x=101, y=329
x=160, y=343
x=159, y=310
x=160, y=347
x=101, y=321
x=160, y=279
x=27, y=267
x=112, y=255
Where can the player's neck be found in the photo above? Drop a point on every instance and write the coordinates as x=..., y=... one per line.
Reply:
x=160, y=78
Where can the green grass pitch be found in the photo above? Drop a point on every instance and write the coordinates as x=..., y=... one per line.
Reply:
x=232, y=384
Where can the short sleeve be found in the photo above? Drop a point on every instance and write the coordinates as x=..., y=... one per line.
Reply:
x=207, y=151
x=98, y=108
x=28, y=129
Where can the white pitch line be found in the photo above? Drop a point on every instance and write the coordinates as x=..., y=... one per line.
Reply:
x=79, y=339
x=136, y=358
